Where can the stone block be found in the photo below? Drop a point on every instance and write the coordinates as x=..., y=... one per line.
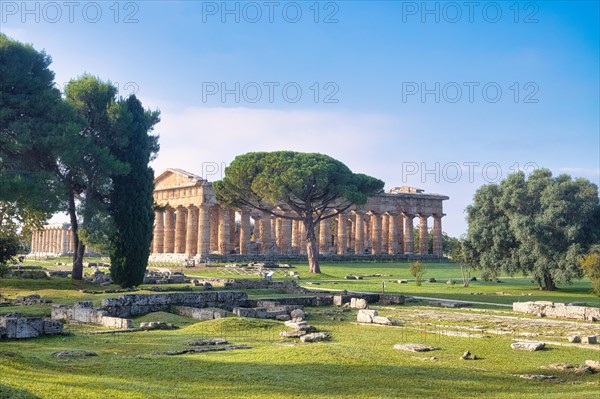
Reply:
x=314, y=337
x=358, y=303
x=366, y=316
x=382, y=320
x=52, y=327
x=530, y=346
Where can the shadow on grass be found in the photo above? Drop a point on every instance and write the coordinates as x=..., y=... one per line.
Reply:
x=8, y=392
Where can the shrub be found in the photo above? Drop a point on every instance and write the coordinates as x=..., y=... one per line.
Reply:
x=417, y=270
x=590, y=264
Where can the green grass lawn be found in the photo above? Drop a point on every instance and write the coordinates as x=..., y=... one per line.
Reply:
x=358, y=362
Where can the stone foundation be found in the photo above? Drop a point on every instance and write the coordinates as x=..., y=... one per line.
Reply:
x=83, y=312
x=15, y=326
x=197, y=313
x=140, y=304
x=558, y=310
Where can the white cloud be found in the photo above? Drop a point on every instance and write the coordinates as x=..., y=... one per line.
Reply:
x=194, y=136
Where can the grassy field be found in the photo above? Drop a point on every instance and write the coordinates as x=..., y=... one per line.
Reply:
x=359, y=361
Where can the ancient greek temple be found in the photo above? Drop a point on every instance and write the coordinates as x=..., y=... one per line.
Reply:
x=193, y=225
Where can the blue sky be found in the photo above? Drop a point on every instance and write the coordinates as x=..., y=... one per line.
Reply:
x=445, y=96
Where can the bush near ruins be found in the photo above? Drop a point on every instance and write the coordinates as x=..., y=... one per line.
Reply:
x=590, y=264
x=417, y=270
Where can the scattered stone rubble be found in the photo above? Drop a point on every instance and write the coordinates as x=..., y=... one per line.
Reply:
x=371, y=317
x=301, y=329
x=205, y=345
x=164, y=277
x=530, y=346
x=16, y=326
x=84, y=312
x=273, y=310
x=415, y=347
x=571, y=368
x=558, y=310
x=199, y=313
x=24, y=300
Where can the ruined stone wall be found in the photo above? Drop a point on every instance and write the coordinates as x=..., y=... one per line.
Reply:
x=140, y=304
x=558, y=310
x=15, y=326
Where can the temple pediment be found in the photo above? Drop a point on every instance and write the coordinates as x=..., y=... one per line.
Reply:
x=177, y=178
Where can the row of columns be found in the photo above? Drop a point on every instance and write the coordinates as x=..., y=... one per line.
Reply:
x=55, y=240
x=201, y=230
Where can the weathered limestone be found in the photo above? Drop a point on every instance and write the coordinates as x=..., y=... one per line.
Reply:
x=16, y=326
x=191, y=235
x=392, y=236
x=423, y=235
x=376, y=234
x=270, y=312
x=437, y=235
x=159, y=232
x=559, y=310
x=203, y=230
x=530, y=346
x=83, y=312
x=169, y=236
x=342, y=234
x=415, y=347
x=324, y=236
x=359, y=234
x=198, y=313
x=371, y=316
x=140, y=304
x=244, y=231
x=408, y=234
x=224, y=232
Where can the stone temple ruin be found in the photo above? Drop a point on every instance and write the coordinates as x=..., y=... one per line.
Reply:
x=194, y=225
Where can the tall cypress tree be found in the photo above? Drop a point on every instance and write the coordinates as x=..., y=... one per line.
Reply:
x=131, y=202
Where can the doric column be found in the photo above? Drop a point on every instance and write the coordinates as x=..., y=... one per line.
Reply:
x=244, y=231
x=203, y=247
x=286, y=235
x=408, y=234
x=302, y=238
x=385, y=232
x=159, y=233
x=215, y=218
x=342, y=234
x=70, y=238
x=180, y=217
x=437, y=236
x=232, y=238
x=56, y=240
x=278, y=234
x=64, y=241
x=33, y=240
x=376, y=234
x=191, y=235
x=256, y=230
x=295, y=237
x=169, y=245
x=368, y=226
x=324, y=236
x=423, y=235
x=265, y=232
x=393, y=234
x=401, y=233
x=359, y=240
x=273, y=231
x=350, y=224
x=47, y=233
x=224, y=232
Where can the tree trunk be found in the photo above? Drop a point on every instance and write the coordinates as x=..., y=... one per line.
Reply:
x=78, y=247
x=549, y=284
x=312, y=249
